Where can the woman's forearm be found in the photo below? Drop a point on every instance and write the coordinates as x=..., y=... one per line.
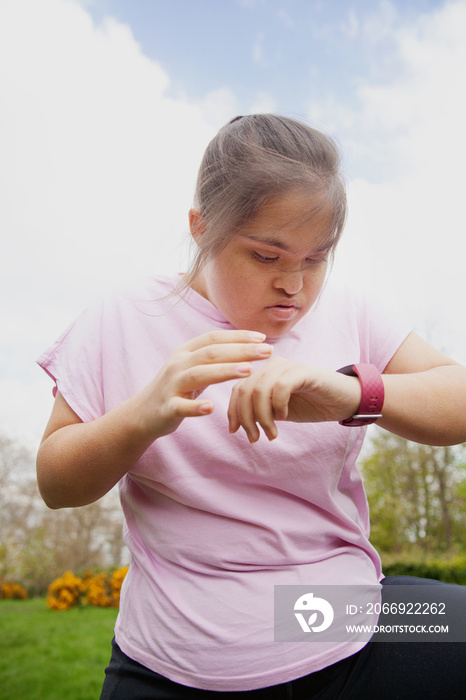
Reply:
x=427, y=407
x=79, y=463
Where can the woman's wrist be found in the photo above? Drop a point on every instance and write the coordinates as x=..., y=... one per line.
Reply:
x=372, y=394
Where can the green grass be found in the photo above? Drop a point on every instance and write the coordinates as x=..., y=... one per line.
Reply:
x=52, y=655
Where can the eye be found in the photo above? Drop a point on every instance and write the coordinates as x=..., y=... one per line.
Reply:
x=264, y=258
x=316, y=261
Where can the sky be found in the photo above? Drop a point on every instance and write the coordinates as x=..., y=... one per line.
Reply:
x=106, y=107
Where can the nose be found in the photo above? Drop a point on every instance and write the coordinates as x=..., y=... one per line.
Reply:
x=290, y=281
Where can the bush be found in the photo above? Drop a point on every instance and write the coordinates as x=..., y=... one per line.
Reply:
x=65, y=592
x=13, y=591
x=97, y=589
x=449, y=571
x=116, y=581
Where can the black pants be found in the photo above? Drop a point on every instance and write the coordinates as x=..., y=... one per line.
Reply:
x=380, y=671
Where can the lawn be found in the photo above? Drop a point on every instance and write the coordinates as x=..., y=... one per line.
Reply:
x=51, y=655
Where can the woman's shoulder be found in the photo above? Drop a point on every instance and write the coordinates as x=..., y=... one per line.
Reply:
x=365, y=303
x=148, y=288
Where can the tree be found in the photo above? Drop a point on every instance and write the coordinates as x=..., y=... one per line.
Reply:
x=416, y=493
x=38, y=544
x=15, y=465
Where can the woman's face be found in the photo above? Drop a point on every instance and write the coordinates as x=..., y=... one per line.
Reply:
x=272, y=272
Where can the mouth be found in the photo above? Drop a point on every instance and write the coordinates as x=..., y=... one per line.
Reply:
x=284, y=311
x=284, y=305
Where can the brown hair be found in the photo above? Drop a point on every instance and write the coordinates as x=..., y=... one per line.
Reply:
x=253, y=159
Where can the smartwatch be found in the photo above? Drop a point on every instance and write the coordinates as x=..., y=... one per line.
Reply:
x=372, y=394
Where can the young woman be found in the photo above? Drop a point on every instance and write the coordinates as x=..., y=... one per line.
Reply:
x=165, y=390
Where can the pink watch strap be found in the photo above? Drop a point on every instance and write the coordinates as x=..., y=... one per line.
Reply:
x=372, y=394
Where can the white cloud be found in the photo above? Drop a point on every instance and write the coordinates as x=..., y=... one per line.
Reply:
x=99, y=162
x=407, y=228
x=218, y=106
x=263, y=103
x=97, y=172
x=24, y=415
x=380, y=24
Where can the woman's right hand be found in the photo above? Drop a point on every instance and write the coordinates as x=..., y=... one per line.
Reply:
x=212, y=358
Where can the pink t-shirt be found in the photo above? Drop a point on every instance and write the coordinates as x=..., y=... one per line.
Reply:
x=212, y=522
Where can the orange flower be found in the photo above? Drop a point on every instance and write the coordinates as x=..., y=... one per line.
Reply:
x=13, y=590
x=99, y=589
x=65, y=592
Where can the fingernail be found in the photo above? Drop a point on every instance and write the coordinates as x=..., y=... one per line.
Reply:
x=205, y=408
x=265, y=349
x=257, y=337
x=243, y=370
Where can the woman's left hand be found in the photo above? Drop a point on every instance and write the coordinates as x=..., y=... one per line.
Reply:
x=285, y=390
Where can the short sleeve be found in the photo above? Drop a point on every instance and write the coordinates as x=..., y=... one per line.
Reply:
x=116, y=346
x=382, y=331
x=74, y=362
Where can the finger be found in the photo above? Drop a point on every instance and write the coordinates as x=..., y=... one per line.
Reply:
x=292, y=380
x=262, y=394
x=220, y=337
x=187, y=408
x=232, y=415
x=263, y=398
x=230, y=352
x=242, y=411
x=232, y=412
x=199, y=377
x=280, y=400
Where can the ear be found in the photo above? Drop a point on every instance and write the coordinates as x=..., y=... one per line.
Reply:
x=196, y=224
